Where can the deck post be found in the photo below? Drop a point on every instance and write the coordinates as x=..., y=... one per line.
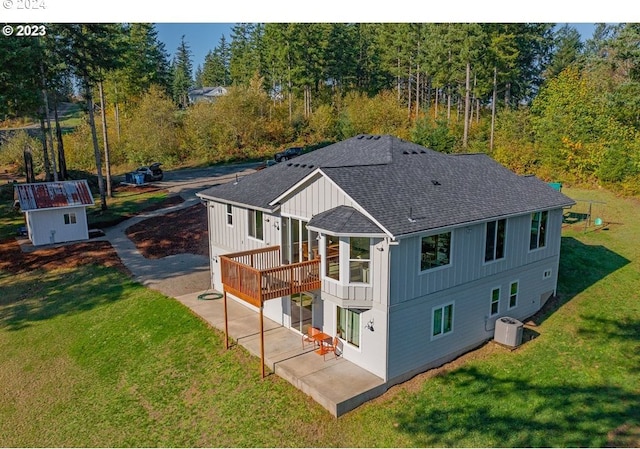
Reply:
x=262, y=340
x=226, y=325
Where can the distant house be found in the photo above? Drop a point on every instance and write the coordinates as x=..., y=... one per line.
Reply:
x=55, y=212
x=407, y=255
x=206, y=94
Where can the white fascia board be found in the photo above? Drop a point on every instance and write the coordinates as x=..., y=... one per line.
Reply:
x=318, y=171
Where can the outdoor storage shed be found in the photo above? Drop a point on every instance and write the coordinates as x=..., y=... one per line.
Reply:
x=55, y=212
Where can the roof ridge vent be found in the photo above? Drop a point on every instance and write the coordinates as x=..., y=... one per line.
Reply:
x=435, y=182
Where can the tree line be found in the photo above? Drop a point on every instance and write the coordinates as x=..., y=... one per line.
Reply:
x=533, y=96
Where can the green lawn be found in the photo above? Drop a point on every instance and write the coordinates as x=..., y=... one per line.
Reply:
x=88, y=358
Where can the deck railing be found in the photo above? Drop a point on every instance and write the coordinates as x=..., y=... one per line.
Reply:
x=257, y=275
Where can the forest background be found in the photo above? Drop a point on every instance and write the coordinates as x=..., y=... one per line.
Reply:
x=533, y=96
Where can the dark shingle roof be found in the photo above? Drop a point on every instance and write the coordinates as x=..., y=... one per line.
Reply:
x=344, y=220
x=405, y=187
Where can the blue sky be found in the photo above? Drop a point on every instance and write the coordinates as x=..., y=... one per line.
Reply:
x=203, y=37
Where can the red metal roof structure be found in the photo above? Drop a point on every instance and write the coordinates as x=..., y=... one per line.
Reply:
x=50, y=195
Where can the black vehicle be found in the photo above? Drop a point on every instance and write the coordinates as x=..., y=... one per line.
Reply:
x=151, y=173
x=288, y=154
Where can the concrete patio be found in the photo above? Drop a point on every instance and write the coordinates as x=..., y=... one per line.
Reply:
x=351, y=385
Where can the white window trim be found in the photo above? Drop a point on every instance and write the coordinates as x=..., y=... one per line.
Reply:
x=495, y=260
x=443, y=306
x=229, y=214
x=71, y=217
x=441, y=267
x=509, y=306
x=499, y=288
x=249, y=225
x=349, y=260
x=323, y=258
x=351, y=346
x=538, y=248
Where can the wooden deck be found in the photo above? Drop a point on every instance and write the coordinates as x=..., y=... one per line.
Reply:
x=258, y=275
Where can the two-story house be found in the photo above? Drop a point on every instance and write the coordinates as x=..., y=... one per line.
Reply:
x=408, y=255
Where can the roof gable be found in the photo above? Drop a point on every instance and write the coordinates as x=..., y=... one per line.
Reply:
x=51, y=195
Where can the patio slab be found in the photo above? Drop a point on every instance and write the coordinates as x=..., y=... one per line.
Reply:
x=335, y=383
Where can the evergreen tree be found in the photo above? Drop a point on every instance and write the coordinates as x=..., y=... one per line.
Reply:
x=567, y=50
x=182, y=70
x=215, y=71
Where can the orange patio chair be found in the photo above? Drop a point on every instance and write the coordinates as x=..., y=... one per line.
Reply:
x=334, y=347
x=308, y=337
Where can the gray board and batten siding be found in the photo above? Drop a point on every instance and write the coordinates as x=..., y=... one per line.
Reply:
x=467, y=282
x=397, y=192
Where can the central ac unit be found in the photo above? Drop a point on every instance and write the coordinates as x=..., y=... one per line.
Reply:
x=508, y=332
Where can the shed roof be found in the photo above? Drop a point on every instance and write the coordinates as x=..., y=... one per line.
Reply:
x=402, y=186
x=51, y=195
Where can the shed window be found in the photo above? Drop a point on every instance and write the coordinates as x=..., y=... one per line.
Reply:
x=435, y=251
x=494, y=242
x=70, y=218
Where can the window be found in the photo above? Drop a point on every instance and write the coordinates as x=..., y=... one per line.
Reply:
x=547, y=273
x=70, y=218
x=229, y=215
x=442, y=320
x=495, y=301
x=348, y=327
x=494, y=243
x=513, y=295
x=435, y=251
x=255, y=224
x=332, y=254
x=538, y=230
x=359, y=256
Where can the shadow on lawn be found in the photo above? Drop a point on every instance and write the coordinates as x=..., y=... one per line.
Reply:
x=581, y=266
x=58, y=293
x=623, y=330
x=558, y=413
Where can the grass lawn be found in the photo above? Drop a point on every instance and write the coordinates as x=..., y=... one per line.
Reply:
x=89, y=358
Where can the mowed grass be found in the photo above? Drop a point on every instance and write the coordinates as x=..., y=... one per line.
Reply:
x=89, y=358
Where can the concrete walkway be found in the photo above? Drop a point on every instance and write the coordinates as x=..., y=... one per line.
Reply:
x=336, y=384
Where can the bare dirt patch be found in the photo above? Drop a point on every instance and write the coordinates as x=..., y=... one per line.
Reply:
x=14, y=260
x=178, y=232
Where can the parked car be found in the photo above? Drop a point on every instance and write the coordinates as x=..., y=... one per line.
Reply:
x=288, y=154
x=151, y=173
x=265, y=164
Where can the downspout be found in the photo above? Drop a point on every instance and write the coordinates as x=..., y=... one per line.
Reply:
x=390, y=243
x=211, y=255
